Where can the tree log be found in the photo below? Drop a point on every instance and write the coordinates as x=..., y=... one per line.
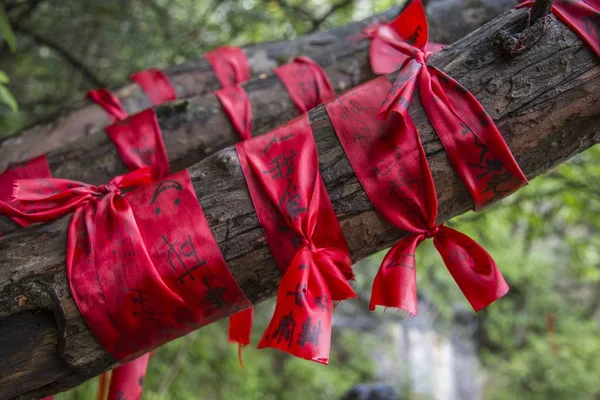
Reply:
x=546, y=103
x=197, y=127
x=195, y=78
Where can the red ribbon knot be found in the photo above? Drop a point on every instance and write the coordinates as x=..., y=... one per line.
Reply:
x=433, y=232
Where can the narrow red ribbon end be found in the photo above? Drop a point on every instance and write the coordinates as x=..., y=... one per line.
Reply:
x=155, y=84
x=109, y=102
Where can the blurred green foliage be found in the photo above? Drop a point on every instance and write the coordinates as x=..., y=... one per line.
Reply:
x=542, y=341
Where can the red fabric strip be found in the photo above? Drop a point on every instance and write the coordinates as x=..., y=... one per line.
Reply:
x=139, y=142
x=127, y=381
x=400, y=186
x=282, y=173
x=229, y=64
x=35, y=168
x=472, y=141
x=144, y=268
x=306, y=83
x=582, y=16
x=237, y=107
x=155, y=84
x=109, y=102
x=383, y=57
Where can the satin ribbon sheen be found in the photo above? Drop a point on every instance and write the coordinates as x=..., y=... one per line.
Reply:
x=230, y=65
x=582, y=16
x=139, y=142
x=143, y=267
x=390, y=163
x=306, y=83
x=383, y=57
x=155, y=84
x=237, y=107
x=305, y=238
x=472, y=141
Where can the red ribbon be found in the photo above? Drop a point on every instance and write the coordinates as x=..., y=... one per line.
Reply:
x=306, y=83
x=305, y=238
x=34, y=168
x=237, y=107
x=127, y=380
x=143, y=267
x=582, y=16
x=400, y=185
x=472, y=141
x=155, y=84
x=139, y=142
x=384, y=58
x=109, y=102
x=229, y=64
x=402, y=191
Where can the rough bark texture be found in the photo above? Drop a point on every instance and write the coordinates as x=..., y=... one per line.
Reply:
x=196, y=77
x=197, y=127
x=546, y=103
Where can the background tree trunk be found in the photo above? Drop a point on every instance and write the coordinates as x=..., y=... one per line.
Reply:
x=195, y=78
x=546, y=103
x=197, y=127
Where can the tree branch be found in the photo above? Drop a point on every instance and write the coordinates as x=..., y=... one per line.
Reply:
x=546, y=116
x=89, y=75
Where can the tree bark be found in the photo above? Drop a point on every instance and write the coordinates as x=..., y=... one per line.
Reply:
x=195, y=78
x=546, y=103
x=197, y=127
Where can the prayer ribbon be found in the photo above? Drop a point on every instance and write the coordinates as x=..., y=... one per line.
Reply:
x=305, y=238
x=154, y=83
x=582, y=16
x=237, y=107
x=401, y=189
x=143, y=267
x=230, y=65
x=383, y=57
x=400, y=184
x=306, y=83
x=127, y=380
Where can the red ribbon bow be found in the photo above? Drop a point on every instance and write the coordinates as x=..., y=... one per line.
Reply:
x=400, y=185
x=484, y=162
x=281, y=170
x=136, y=285
x=384, y=58
x=583, y=16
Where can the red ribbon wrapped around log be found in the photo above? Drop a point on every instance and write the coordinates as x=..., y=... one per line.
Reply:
x=292, y=205
x=143, y=267
x=154, y=83
x=583, y=16
x=306, y=83
x=400, y=185
x=229, y=64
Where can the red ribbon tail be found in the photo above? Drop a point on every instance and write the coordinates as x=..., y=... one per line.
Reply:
x=240, y=329
x=127, y=380
x=395, y=284
x=301, y=322
x=472, y=268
